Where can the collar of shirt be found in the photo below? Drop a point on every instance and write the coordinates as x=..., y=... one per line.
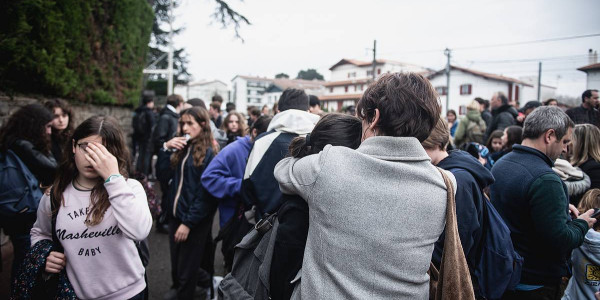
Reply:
x=171, y=108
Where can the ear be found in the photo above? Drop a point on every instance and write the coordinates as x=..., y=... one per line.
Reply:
x=74, y=146
x=548, y=136
x=375, y=120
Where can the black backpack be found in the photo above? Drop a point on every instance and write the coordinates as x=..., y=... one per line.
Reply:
x=20, y=193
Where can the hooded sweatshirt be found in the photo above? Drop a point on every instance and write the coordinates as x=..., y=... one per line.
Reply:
x=586, y=268
x=259, y=186
x=502, y=117
x=223, y=176
x=471, y=178
x=461, y=133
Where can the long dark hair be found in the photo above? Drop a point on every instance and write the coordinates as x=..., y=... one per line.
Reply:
x=112, y=138
x=335, y=129
x=28, y=123
x=62, y=136
x=201, y=143
x=514, y=135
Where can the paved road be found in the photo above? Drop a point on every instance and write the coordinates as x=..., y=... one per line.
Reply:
x=159, y=269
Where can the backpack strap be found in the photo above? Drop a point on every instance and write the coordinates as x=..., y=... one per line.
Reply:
x=56, y=245
x=454, y=281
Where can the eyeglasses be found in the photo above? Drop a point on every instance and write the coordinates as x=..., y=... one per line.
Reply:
x=83, y=146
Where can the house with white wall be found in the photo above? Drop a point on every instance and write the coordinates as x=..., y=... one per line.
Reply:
x=467, y=84
x=350, y=77
x=204, y=90
x=274, y=91
x=248, y=91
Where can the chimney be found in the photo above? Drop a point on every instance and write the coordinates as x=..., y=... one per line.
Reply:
x=591, y=58
x=595, y=57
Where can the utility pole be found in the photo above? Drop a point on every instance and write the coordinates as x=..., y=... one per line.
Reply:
x=447, y=52
x=539, y=98
x=374, y=60
x=169, y=70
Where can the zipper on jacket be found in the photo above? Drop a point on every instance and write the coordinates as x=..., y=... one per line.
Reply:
x=178, y=194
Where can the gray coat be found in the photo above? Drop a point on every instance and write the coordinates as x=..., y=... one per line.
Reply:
x=375, y=214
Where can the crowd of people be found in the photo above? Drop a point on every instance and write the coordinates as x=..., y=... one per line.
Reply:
x=359, y=199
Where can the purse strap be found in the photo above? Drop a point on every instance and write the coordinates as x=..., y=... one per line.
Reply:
x=454, y=277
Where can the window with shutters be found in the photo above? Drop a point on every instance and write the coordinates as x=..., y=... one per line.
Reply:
x=465, y=89
x=441, y=90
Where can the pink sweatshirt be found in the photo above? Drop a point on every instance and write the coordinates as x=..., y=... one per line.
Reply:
x=102, y=260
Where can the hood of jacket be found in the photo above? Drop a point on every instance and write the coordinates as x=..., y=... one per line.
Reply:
x=294, y=121
x=167, y=111
x=459, y=159
x=591, y=245
x=506, y=108
x=474, y=115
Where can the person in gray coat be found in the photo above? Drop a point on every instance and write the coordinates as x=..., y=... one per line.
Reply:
x=375, y=212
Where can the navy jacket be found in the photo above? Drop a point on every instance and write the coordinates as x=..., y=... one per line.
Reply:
x=194, y=203
x=471, y=178
x=533, y=202
x=166, y=128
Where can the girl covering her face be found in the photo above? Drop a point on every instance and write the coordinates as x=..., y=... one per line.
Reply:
x=99, y=214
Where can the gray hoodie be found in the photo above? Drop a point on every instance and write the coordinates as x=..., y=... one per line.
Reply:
x=586, y=268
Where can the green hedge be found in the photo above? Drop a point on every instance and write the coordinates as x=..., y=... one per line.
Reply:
x=89, y=51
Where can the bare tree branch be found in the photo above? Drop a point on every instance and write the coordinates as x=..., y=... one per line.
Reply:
x=227, y=16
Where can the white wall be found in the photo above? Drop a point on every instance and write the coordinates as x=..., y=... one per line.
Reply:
x=593, y=80
x=481, y=87
x=204, y=91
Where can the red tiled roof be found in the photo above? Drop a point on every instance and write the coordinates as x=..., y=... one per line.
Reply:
x=590, y=67
x=360, y=63
x=340, y=97
x=482, y=74
x=253, y=78
x=347, y=82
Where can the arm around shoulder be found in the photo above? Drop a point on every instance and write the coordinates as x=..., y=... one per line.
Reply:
x=297, y=176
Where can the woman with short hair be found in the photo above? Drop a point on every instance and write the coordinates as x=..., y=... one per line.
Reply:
x=375, y=212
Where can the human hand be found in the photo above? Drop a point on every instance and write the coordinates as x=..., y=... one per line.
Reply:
x=55, y=262
x=520, y=118
x=101, y=160
x=181, y=234
x=587, y=217
x=573, y=210
x=176, y=143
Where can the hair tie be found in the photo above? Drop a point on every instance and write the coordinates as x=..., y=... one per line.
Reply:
x=307, y=139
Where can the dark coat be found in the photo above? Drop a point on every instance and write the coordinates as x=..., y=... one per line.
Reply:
x=502, y=117
x=165, y=129
x=195, y=204
x=592, y=168
x=471, y=178
x=43, y=166
x=146, y=117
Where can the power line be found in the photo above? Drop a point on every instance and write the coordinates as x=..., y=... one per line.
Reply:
x=529, y=42
x=553, y=59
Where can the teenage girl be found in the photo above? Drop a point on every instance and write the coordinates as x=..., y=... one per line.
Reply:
x=235, y=126
x=100, y=214
x=191, y=208
x=62, y=127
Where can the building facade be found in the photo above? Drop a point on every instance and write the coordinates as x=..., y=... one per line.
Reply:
x=248, y=91
x=273, y=92
x=350, y=78
x=204, y=90
x=467, y=84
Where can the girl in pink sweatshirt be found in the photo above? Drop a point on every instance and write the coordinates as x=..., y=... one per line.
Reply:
x=100, y=214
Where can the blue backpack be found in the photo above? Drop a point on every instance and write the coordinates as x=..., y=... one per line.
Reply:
x=19, y=190
x=499, y=268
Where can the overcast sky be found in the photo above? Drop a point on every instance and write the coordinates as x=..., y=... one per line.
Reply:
x=287, y=36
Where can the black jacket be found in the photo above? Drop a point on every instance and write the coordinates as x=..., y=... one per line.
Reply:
x=194, y=203
x=471, y=178
x=592, y=169
x=143, y=130
x=166, y=128
x=502, y=117
x=486, y=115
x=581, y=115
x=43, y=166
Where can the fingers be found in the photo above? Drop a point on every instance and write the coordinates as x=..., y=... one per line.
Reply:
x=102, y=148
x=55, y=262
x=180, y=236
x=94, y=151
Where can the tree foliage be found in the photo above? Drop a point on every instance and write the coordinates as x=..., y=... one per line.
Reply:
x=89, y=51
x=282, y=75
x=309, y=74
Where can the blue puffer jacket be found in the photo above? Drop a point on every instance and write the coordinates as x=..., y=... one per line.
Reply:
x=194, y=203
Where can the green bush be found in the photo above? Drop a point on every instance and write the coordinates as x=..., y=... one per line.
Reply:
x=89, y=51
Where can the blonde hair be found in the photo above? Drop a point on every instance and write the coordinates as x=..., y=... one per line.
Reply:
x=439, y=138
x=474, y=105
x=590, y=200
x=586, y=144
